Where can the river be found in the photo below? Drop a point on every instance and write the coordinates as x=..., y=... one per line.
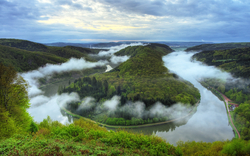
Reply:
x=208, y=124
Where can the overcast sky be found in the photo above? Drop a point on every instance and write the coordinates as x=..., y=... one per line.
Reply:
x=112, y=20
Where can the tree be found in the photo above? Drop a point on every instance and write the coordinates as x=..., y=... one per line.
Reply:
x=94, y=82
x=105, y=86
x=14, y=102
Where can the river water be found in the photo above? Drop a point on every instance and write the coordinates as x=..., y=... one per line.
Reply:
x=208, y=124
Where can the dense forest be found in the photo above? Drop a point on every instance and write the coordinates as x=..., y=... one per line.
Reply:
x=141, y=78
x=218, y=46
x=25, y=55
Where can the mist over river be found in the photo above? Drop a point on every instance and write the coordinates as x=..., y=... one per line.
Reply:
x=209, y=123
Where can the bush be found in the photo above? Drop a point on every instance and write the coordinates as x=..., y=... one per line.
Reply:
x=33, y=127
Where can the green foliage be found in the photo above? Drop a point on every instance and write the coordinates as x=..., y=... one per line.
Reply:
x=237, y=148
x=242, y=118
x=13, y=103
x=83, y=137
x=218, y=148
x=33, y=127
x=7, y=125
x=86, y=138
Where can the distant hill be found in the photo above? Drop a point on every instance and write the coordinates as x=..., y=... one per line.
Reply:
x=25, y=55
x=235, y=61
x=23, y=44
x=110, y=44
x=219, y=46
x=183, y=44
x=88, y=45
x=63, y=44
x=23, y=60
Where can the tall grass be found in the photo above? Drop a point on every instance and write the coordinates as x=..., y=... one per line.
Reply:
x=84, y=138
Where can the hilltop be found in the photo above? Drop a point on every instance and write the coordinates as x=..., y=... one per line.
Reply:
x=219, y=46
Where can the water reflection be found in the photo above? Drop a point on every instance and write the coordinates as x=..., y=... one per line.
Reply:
x=158, y=128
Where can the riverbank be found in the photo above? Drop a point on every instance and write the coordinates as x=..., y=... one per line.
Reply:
x=135, y=126
x=225, y=100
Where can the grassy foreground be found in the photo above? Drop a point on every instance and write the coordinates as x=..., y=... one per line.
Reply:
x=85, y=138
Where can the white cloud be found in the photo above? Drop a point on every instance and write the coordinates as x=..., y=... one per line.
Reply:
x=44, y=1
x=125, y=20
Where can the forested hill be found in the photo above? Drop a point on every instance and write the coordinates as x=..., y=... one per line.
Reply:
x=23, y=44
x=236, y=61
x=142, y=77
x=219, y=46
x=25, y=55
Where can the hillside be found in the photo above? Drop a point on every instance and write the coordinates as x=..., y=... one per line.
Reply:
x=235, y=61
x=143, y=77
x=219, y=46
x=25, y=55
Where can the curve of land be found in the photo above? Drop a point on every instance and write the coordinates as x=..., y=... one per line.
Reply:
x=136, y=126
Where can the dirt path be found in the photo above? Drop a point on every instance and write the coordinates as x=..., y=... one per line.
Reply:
x=226, y=100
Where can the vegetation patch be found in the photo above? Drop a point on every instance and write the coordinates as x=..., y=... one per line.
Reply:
x=25, y=55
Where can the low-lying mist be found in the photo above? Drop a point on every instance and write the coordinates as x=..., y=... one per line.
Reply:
x=110, y=53
x=191, y=70
x=113, y=108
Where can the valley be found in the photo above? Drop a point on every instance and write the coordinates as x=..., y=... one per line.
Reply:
x=193, y=116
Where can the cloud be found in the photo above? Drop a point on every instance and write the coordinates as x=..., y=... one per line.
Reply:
x=72, y=65
x=179, y=62
x=63, y=20
x=117, y=59
x=87, y=103
x=49, y=106
x=112, y=103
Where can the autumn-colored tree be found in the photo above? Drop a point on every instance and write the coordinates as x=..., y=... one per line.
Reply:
x=14, y=102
